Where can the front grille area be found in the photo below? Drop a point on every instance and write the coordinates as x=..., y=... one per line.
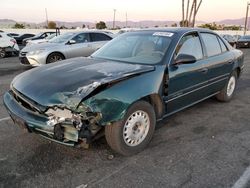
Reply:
x=27, y=103
x=24, y=60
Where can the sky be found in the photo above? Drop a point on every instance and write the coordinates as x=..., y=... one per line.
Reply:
x=96, y=10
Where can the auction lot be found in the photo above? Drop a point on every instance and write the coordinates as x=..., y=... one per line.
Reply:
x=207, y=145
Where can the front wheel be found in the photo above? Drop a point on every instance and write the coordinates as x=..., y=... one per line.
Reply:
x=132, y=134
x=54, y=57
x=2, y=53
x=227, y=92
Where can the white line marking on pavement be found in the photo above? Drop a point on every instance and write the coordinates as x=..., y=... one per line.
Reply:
x=244, y=179
x=5, y=119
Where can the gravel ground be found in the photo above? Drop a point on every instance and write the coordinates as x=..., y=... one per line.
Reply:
x=206, y=146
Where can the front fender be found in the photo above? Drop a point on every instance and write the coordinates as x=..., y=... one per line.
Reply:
x=113, y=102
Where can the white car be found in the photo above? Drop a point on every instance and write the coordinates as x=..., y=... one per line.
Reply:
x=39, y=41
x=7, y=45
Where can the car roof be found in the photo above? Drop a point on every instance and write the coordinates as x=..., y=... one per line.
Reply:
x=179, y=30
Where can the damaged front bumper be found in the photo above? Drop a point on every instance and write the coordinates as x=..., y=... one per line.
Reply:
x=64, y=131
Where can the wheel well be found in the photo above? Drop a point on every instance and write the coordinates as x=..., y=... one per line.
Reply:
x=157, y=103
x=55, y=53
x=238, y=71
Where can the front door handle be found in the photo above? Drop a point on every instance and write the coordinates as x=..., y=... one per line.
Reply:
x=230, y=61
x=204, y=70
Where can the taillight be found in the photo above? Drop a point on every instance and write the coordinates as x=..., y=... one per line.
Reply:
x=13, y=40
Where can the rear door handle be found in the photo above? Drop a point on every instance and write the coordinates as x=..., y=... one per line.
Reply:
x=204, y=70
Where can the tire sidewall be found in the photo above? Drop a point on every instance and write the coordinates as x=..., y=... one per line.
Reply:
x=2, y=52
x=228, y=98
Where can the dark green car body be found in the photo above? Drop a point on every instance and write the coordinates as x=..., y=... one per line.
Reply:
x=100, y=91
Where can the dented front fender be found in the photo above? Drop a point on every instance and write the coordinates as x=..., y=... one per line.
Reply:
x=113, y=102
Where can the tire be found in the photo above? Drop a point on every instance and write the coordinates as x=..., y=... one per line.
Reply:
x=119, y=133
x=2, y=53
x=54, y=57
x=226, y=93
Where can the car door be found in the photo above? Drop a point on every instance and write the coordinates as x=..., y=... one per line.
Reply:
x=98, y=40
x=186, y=81
x=219, y=61
x=81, y=47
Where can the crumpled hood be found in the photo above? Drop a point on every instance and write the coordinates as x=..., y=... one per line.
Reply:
x=40, y=46
x=67, y=82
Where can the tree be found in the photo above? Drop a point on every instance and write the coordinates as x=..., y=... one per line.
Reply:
x=212, y=26
x=189, y=16
x=51, y=25
x=174, y=25
x=184, y=23
x=101, y=25
x=83, y=26
x=19, y=26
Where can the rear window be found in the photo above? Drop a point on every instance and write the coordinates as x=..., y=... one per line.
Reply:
x=223, y=46
x=211, y=43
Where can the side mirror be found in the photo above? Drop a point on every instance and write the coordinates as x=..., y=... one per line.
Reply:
x=71, y=42
x=184, y=59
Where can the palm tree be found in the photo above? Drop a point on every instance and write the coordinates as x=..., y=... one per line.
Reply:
x=183, y=13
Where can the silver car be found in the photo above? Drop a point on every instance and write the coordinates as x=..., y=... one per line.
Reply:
x=68, y=45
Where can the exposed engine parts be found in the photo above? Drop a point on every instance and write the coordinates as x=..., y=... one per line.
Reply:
x=69, y=126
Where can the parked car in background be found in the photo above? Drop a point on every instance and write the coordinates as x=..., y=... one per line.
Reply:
x=19, y=39
x=237, y=37
x=68, y=45
x=125, y=30
x=230, y=39
x=244, y=42
x=7, y=45
x=41, y=35
x=125, y=87
x=13, y=34
x=40, y=41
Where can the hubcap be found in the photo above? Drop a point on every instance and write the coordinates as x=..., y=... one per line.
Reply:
x=2, y=53
x=136, y=128
x=55, y=58
x=231, y=86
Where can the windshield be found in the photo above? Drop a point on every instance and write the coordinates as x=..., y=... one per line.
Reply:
x=39, y=34
x=51, y=36
x=62, y=38
x=136, y=47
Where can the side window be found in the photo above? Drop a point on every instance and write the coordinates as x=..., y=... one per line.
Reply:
x=81, y=38
x=95, y=37
x=190, y=45
x=223, y=46
x=211, y=43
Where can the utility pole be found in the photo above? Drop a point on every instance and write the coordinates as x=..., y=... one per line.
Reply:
x=246, y=19
x=114, y=18
x=47, y=21
x=126, y=19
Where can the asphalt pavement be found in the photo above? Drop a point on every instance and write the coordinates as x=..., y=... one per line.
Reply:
x=207, y=145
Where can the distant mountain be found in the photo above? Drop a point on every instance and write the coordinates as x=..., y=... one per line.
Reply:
x=8, y=23
x=240, y=21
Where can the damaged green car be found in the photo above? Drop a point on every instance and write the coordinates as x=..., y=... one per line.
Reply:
x=125, y=87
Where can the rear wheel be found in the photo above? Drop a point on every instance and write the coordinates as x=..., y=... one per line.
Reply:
x=2, y=53
x=132, y=134
x=54, y=57
x=227, y=92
